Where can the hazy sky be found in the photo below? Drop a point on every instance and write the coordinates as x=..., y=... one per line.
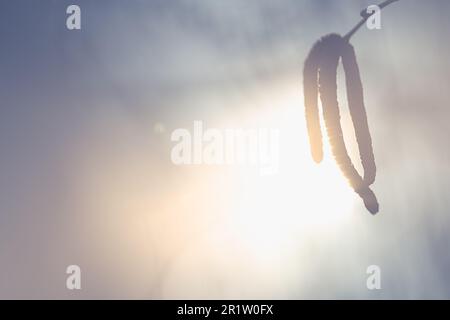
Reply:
x=85, y=179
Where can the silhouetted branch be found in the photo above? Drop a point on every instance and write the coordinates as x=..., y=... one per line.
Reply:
x=365, y=15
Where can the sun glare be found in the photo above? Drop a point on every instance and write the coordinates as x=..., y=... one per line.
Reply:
x=303, y=199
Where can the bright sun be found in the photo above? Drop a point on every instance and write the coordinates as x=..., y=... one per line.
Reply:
x=301, y=200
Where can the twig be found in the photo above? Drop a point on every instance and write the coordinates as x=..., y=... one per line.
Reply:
x=365, y=15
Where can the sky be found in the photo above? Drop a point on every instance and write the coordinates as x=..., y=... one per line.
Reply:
x=86, y=176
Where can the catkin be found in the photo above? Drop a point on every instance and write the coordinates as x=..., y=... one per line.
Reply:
x=320, y=78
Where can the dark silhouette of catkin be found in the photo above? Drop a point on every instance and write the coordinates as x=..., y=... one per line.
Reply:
x=320, y=78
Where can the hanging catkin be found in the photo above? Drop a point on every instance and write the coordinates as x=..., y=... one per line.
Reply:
x=320, y=77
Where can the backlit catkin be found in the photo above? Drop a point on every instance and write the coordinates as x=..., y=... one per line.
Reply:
x=320, y=78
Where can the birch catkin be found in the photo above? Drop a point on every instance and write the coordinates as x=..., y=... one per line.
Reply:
x=320, y=77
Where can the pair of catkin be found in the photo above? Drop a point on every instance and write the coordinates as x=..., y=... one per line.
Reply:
x=320, y=77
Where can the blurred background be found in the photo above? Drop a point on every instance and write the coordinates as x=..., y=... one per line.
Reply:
x=86, y=176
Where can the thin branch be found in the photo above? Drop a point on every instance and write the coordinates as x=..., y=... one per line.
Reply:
x=365, y=15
